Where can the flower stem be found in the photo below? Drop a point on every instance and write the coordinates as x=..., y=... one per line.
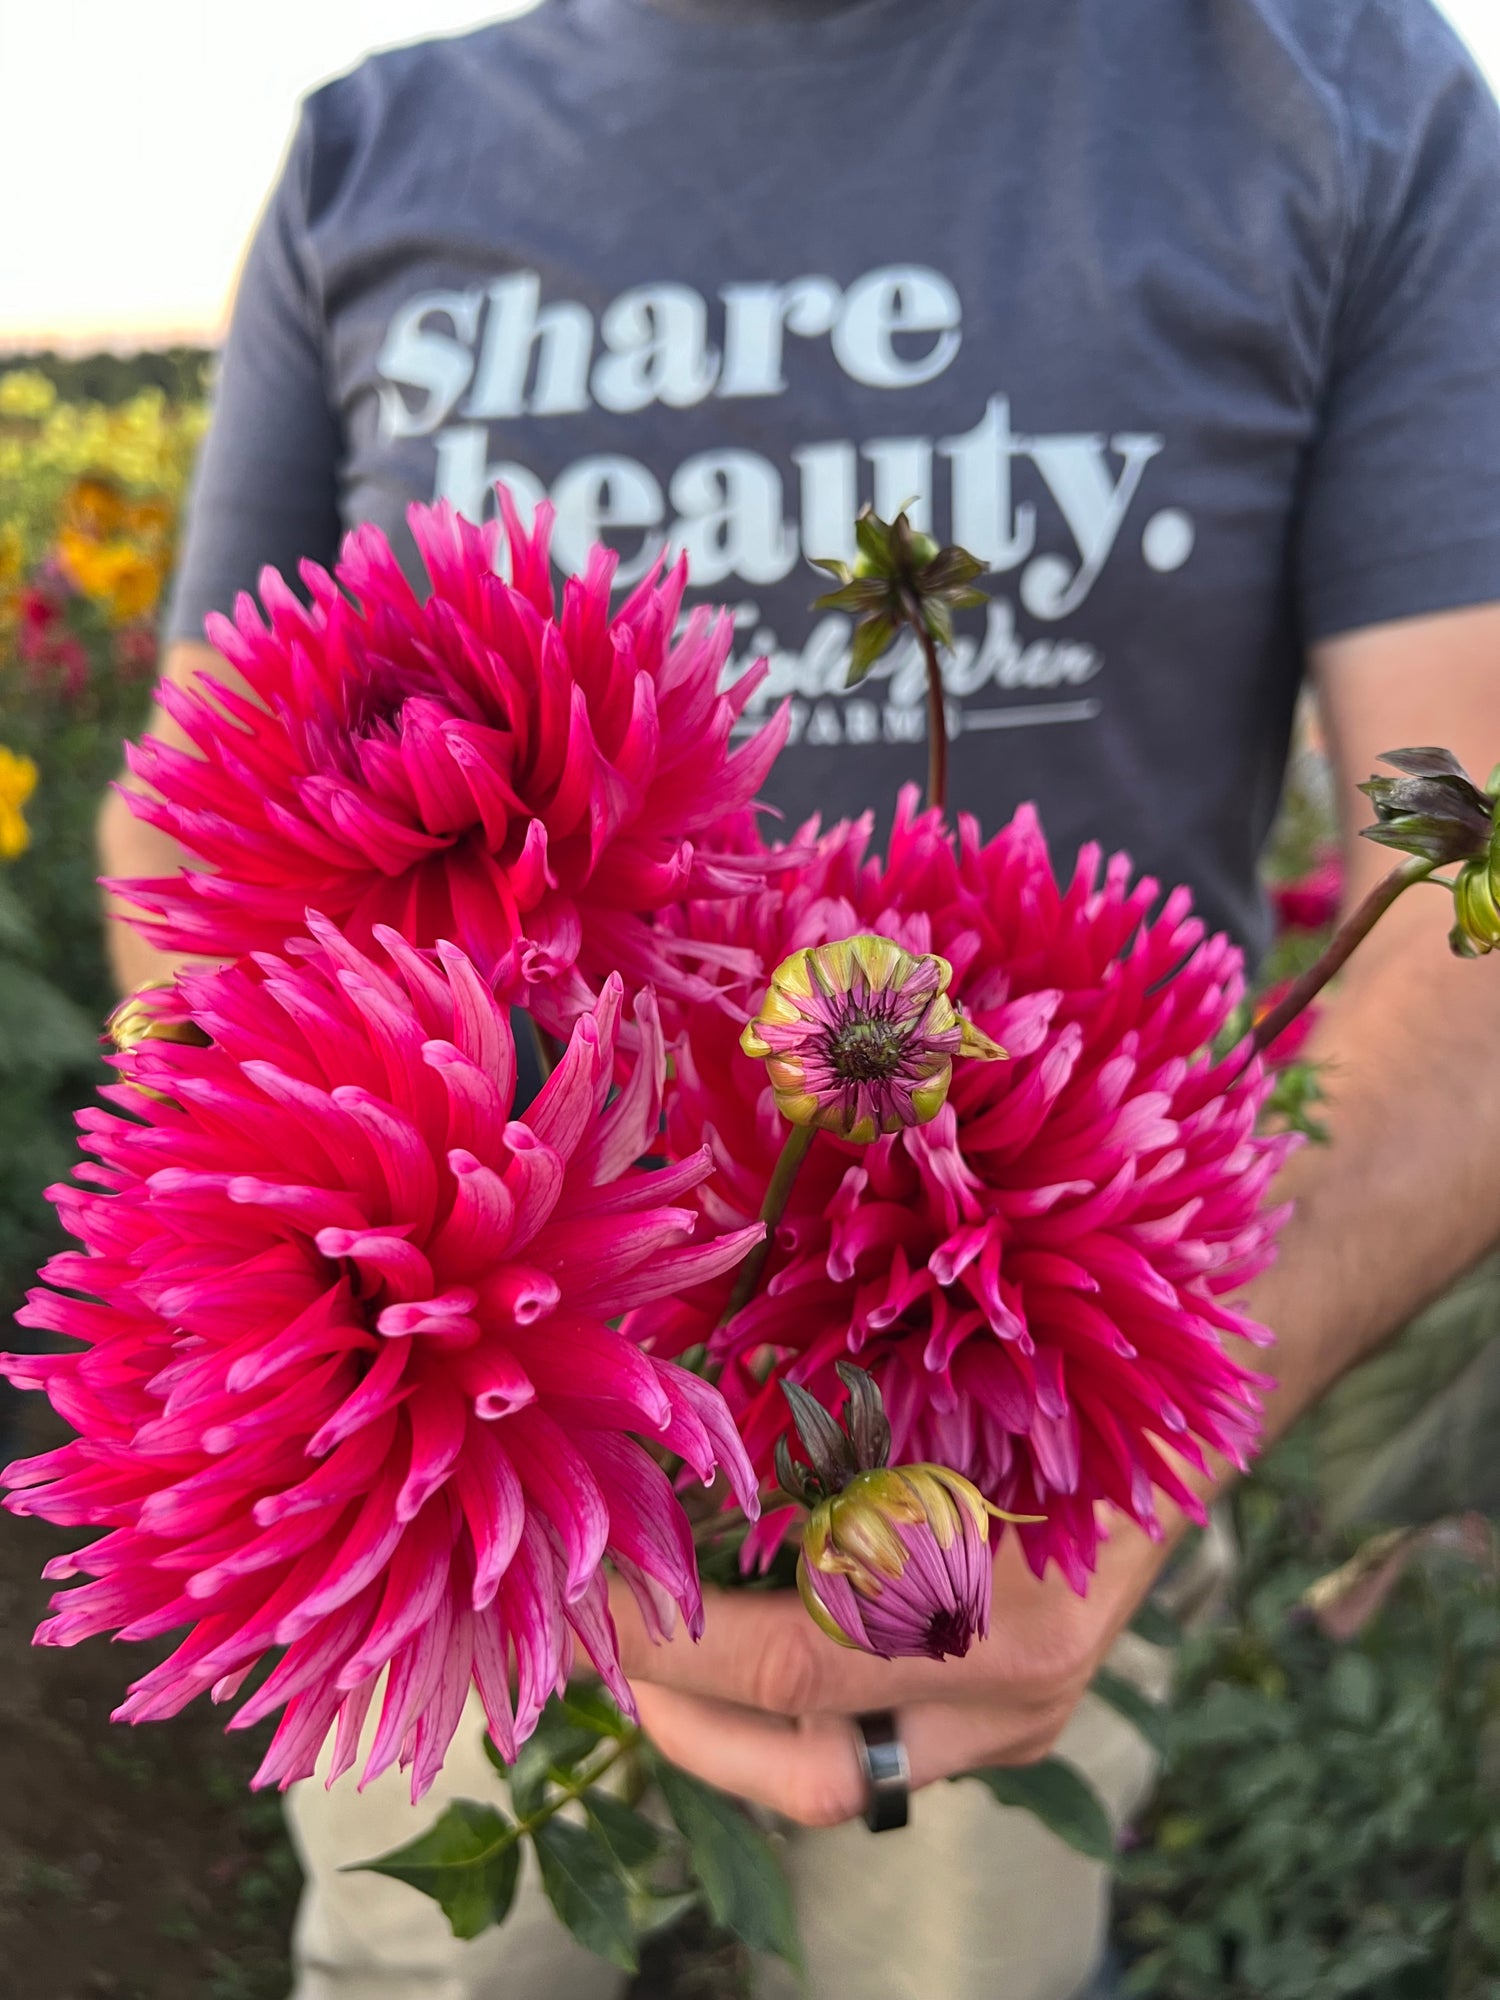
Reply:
x=1352, y=932
x=711, y=1528
x=569, y=1789
x=778, y=1191
x=937, y=714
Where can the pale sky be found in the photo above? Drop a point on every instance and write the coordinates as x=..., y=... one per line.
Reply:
x=138, y=141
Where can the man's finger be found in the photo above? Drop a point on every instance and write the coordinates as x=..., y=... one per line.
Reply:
x=809, y=1771
x=761, y=1650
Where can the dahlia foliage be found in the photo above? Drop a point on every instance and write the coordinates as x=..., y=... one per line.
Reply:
x=528, y=782
x=372, y=1364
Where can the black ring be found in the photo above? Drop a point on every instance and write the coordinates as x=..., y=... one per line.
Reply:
x=887, y=1773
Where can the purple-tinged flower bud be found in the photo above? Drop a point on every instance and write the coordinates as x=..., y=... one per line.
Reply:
x=895, y=1560
x=898, y=1563
x=859, y=1037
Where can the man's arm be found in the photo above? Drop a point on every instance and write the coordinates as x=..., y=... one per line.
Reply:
x=130, y=848
x=1402, y=1201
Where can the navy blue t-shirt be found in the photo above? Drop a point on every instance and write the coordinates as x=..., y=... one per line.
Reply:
x=1184, y=315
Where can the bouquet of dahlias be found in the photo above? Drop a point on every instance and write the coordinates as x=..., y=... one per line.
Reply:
x=872, y=1202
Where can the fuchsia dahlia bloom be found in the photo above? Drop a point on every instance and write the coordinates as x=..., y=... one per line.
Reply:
x=532, y=783
x=347, y=1382
x=1040, y=1279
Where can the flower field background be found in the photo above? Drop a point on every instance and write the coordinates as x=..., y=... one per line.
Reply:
x=1329, y=1822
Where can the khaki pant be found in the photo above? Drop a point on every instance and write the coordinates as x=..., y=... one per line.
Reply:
x=970, y=1902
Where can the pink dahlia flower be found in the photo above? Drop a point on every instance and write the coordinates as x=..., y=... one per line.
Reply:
x=531, y=782
x=347, y=1381
x=1311, y=902
x=1041, y=1279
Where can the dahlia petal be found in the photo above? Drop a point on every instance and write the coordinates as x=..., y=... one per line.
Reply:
x=559, y=1483
x=493, y=1500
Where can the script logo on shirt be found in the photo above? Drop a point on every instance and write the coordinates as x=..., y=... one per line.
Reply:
x=459, y=366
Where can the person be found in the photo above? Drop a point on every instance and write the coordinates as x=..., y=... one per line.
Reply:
x=1184, y=316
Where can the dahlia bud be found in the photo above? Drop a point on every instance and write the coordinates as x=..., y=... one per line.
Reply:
x=898, y=567
x=1438, y=813
x=898, y=1564
x=155, y=1012
x=1476, y=903
x=895, y=1560
x=859, y=1037
x=1435, y=810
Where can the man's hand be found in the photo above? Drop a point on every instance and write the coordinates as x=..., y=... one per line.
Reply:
x=761, y=1706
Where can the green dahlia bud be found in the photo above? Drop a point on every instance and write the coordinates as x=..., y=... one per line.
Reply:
x=1437, y=812
x=898, y=567
x=1434, y=810
x=1476, y=904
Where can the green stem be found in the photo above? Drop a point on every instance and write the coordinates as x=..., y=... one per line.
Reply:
x=712, y=1527
x=1351, y=933
x=569, y=1789
x=778, y=1191
x=937, y=714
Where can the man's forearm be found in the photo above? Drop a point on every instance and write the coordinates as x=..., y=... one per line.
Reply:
x=130, y=849
x=1406, y=1196
x=127, y=848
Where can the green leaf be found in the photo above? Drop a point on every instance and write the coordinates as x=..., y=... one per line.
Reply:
x=467, y=1863
x=1065, y=1802
x=628, y=1834
x=1354, y=1689
x=872, y=635
x=43, y=1035
x=653, y=1912
x=741, y=1877
x=874, y=538
x=1371, y=1463
x=557, y=1744
x=586, y=1889
x=591, y=1708
x=16, y=932
x=1155, y=1626
x=1442, y=1460
x=1125, y=1698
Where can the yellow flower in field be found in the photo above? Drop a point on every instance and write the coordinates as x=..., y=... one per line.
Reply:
x=115, y=573
x=26, y=393
x=17, y=783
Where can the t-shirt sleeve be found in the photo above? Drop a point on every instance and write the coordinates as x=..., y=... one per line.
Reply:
x=266, y=485
x=1401, y=513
